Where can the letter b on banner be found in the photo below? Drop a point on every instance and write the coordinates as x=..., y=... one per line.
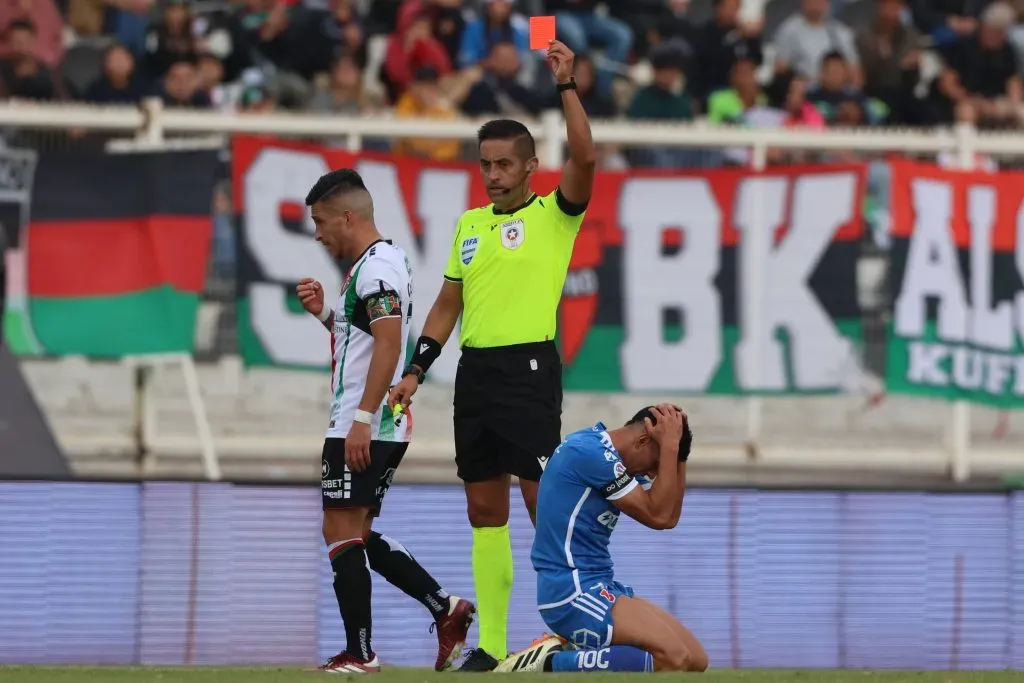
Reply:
x=654, y=282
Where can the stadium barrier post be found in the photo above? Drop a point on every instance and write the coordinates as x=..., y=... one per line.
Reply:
x=152, y=131
x=755, y=240
x=960, y=420
x=145, y=408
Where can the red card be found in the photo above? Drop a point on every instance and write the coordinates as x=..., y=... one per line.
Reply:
x=542, y=32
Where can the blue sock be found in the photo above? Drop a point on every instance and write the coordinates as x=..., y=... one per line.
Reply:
x=615, y=658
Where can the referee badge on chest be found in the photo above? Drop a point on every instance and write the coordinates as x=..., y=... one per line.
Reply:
x=468, y=249
x=513, y=234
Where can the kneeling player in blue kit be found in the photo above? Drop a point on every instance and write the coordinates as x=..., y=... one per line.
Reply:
x=593, y=476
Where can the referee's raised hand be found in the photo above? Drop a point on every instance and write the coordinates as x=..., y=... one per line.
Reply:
x=311, y=295
x=561, y=60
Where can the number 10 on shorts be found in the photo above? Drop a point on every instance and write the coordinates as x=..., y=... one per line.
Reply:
x=592, y=659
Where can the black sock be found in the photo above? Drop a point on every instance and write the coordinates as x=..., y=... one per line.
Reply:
x=352, y=588
x=390, y=559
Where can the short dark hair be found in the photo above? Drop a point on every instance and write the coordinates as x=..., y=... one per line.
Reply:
x=685, y=441
x=339, y=181
x=509, y=129
x=833, y=55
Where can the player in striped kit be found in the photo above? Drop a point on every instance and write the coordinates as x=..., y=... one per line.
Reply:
x=365, y=441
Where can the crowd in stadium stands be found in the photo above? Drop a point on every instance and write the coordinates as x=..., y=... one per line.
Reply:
x=809, y=62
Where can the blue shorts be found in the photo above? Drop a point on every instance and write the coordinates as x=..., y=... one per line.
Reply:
x=586, y=620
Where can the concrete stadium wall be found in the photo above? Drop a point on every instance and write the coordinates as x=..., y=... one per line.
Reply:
x=276, y=418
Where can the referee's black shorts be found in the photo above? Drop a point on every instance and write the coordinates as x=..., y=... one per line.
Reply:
x=508, y=410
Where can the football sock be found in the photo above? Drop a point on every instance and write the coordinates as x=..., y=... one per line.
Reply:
x=614, y=658
x=492, y=577
x=390, y=559
x=352, y=588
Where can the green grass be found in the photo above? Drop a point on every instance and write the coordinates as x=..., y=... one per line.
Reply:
x=31, y=674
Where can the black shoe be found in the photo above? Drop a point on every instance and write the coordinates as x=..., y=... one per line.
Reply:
x=478, y=660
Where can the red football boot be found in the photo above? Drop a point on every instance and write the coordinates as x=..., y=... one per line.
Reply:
x=452, y=630
x=344, y=663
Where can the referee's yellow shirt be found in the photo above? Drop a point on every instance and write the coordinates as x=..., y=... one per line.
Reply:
x=512, y=268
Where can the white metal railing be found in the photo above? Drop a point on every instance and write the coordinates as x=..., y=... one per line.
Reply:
x=154, y=127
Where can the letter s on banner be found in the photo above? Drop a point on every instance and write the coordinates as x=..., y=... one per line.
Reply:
x=441, y=197
x=277, y=176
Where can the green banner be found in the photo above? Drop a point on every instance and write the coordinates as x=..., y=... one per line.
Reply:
x=958, y=299
x=111, y=254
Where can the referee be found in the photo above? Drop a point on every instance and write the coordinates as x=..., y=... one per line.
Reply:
x=505, y=276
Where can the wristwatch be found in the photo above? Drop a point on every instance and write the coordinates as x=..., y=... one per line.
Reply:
x=413, y=370
x=571, y=85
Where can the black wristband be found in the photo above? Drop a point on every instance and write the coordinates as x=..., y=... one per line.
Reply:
x=562, y=87
x=426, y=352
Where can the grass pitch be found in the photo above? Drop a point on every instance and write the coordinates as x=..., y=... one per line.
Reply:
x=32, y=674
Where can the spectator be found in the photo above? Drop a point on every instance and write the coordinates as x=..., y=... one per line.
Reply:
x=673, y=27
x=735, y=104
x=1017, y=32
x=265, y=25
x=210, y=72
x=804, y=38
x=730, y=105
x=664, y=100
x=834, y=89
x=87, y=18
x=597, y=104
x=424, y=99
x=46, y=21
x=170, y=39
x=945, y=94
x=580, y=27
x=497, y=92
x=947, y=21
x=326, y=35
x=789, y=92
x=851, y=112
x=717, y=46
x=120, y=82
x=890, y=55
x=256, y=99
x=382, y=17
x=181, y=86
x=988, y=68
x=446, y=22
x=221, y=33
x=344, y=94
x=497, y=25
x=24, y=74
x=643, y=18
x=410, y=50
x=128, y=20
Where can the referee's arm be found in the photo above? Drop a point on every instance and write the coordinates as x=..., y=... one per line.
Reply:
x=577, y=182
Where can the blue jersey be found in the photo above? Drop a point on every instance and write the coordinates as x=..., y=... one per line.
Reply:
x=575, y=515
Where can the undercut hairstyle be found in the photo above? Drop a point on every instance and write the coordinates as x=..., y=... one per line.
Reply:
x=508, y=129
x=648, y=414
x=334, y=184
